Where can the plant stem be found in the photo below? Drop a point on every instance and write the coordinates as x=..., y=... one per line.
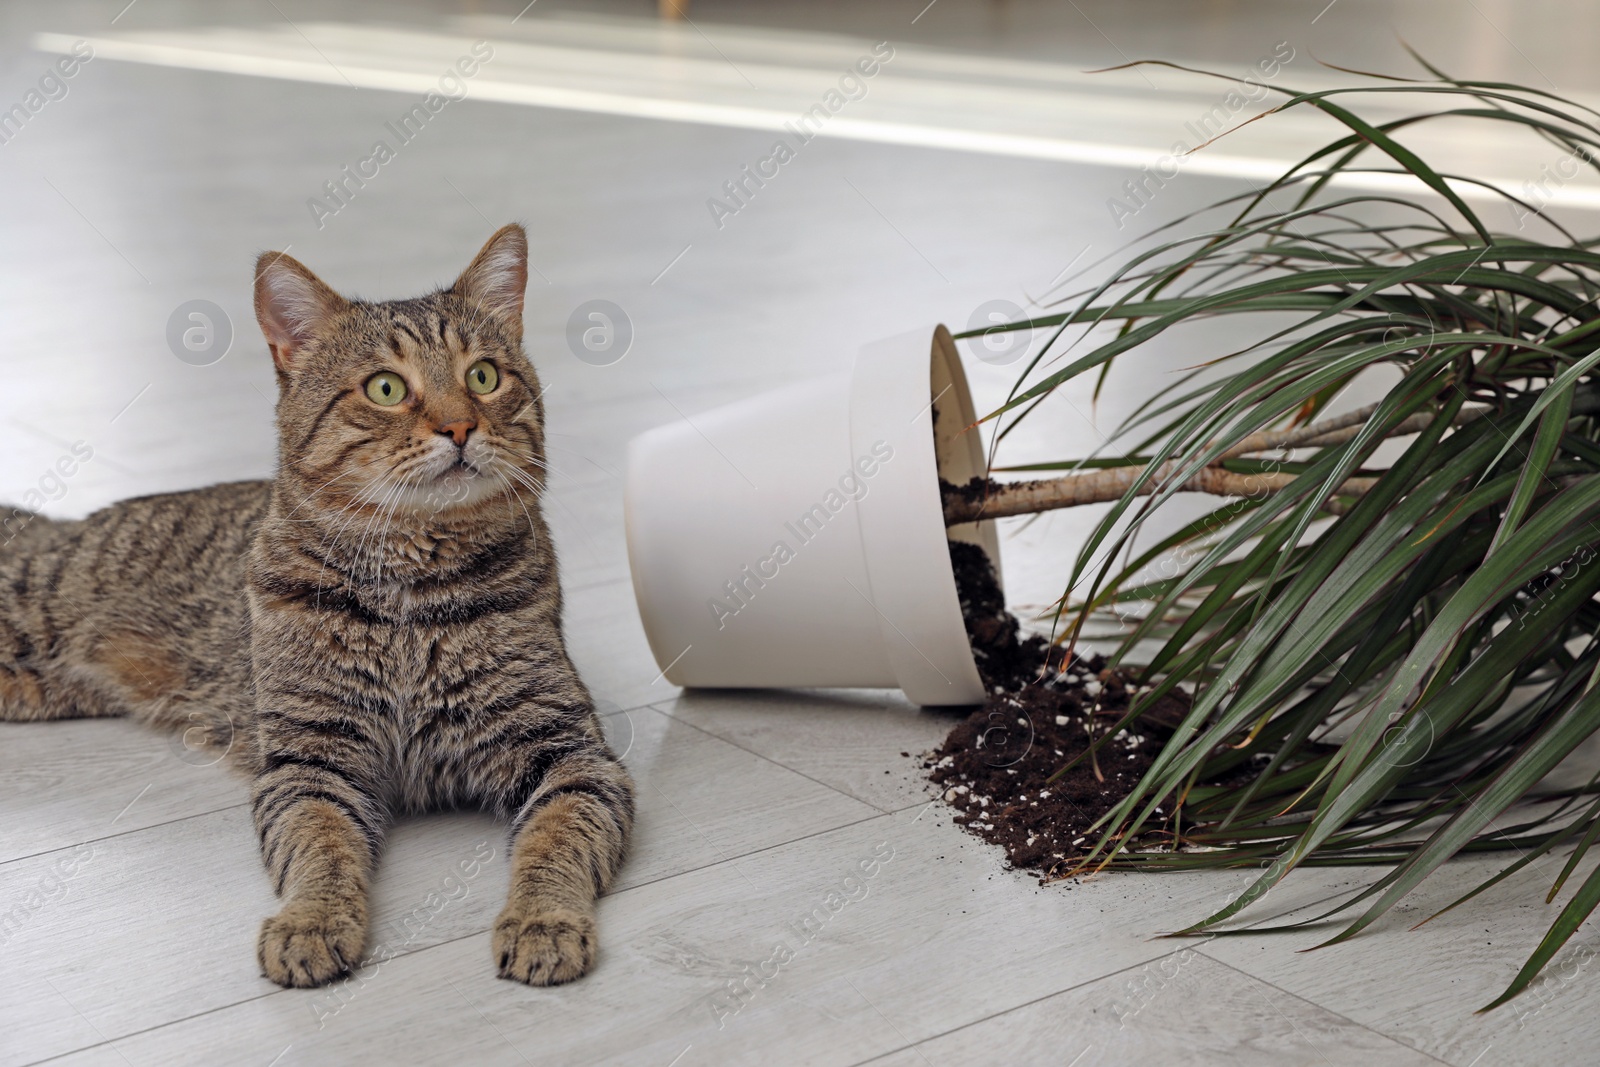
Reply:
x=1102, y=486
x=1099, y=487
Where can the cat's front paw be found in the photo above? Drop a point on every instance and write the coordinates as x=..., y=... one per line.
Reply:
x=544, y=947
x=308, y=945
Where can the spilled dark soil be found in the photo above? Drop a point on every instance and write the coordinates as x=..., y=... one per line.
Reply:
x=1041, y=713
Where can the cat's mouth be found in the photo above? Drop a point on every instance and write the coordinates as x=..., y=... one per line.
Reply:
x=456, y=483
x=453, y=478
x=461, y=475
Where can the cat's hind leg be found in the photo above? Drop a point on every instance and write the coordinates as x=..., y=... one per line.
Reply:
x=23, y=695
x=34, y=687
x=38, y=623
x=76, y=672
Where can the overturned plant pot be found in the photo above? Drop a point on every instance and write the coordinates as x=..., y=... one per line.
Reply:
x=798, y=538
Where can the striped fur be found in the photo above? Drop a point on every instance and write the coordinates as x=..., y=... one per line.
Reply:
x=375, y=632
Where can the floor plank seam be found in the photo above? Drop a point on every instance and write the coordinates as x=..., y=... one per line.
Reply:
x=123, y=833
x=1018, y=1007
x=112, y=1041
x=774, y=762
x=1322, y=1007
x=646, y=706
x=755, y=852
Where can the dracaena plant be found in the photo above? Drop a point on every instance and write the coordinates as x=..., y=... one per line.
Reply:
x=1387, y=654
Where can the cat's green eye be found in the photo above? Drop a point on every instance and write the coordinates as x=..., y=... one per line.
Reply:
x=386, y=389
x=482, y=377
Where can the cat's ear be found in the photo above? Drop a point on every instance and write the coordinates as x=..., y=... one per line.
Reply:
x=498, y=276
x=292, y=304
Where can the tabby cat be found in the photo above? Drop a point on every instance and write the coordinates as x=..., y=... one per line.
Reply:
x=376, y=631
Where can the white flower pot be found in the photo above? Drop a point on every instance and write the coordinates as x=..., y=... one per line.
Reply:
x=797, y=538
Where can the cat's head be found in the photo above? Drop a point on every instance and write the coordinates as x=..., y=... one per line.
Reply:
x=409, y=406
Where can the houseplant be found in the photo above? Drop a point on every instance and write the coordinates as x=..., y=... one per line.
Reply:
x=1387, y=651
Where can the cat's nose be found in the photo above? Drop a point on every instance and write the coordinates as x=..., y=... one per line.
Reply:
x=458, y=430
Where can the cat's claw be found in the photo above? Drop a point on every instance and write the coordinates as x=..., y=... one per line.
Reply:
x=305, y=946
x=544, y=948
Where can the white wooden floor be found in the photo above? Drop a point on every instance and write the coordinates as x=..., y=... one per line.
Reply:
x=129, y=879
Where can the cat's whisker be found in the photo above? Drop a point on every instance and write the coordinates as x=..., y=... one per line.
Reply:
x=530, y=461
x=394, y=508
x=357, y=501
x=350, y=513
x=323, y=577
x=500, y=455
x=557, y=502
x=506, y=446
x=385, y=512
x=360, y=567
x=313, y=493
x=524, y=478
x=532, y=530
